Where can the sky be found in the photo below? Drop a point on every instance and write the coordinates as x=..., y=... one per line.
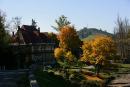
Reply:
x=81, y=13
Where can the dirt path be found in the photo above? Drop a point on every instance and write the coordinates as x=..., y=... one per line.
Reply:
x=122, y=81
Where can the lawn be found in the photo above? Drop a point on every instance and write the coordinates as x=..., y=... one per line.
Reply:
x=124, y=68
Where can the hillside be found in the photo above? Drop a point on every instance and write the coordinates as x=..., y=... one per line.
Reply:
x=89, y=37
x=85, y=32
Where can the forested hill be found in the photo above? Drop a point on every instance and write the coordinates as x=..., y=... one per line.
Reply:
x=85, y=32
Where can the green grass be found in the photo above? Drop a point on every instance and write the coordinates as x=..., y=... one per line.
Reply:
x=124, y=68
x=89, y=37
x=118, y=68
x=125, y=65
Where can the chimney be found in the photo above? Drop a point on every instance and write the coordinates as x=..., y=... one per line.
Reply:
x=13, y=33
x=18, y=27
x=38, y=29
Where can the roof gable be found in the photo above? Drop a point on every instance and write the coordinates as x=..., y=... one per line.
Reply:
x=32, y=35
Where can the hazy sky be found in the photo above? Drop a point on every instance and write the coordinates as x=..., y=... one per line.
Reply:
x=81, y=13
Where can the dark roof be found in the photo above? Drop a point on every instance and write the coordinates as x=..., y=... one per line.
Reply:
x=32, y=35
x=29, y=28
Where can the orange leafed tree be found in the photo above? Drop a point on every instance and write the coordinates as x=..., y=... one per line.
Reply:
x=68, y=45
x=69, y=39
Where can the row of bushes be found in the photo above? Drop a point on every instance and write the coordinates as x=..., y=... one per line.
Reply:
x=72, y=79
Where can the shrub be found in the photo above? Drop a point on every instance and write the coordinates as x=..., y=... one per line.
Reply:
x=108, y=80
x=89, y=83
x=76, y=77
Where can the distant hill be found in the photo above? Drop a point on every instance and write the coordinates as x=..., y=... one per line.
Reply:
x=89, y=37
x=91, y=32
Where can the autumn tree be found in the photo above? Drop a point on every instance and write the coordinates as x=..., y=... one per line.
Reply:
x=69, y=56
x=69, y=39
x=63, y=55
x=58, y=53
x=68, y=46
x=62, y=21
x=87, y=51
x=98, y=51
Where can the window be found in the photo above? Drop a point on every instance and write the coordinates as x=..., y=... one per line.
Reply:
x=48, y=47
x=36, y=48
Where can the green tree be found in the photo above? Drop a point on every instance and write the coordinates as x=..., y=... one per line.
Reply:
x=62, y=21
x=4, y=40
x=3, y=34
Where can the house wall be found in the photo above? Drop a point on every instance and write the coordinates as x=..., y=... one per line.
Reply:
x=43, y=54
x=40, y=54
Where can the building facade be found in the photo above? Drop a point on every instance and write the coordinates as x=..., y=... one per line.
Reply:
x=41, y=47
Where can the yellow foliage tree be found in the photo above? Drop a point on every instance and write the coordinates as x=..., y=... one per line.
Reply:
x=69, y=56
x=87, y=51
x=98, y=50
x=58, y=53
x=104, y=47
